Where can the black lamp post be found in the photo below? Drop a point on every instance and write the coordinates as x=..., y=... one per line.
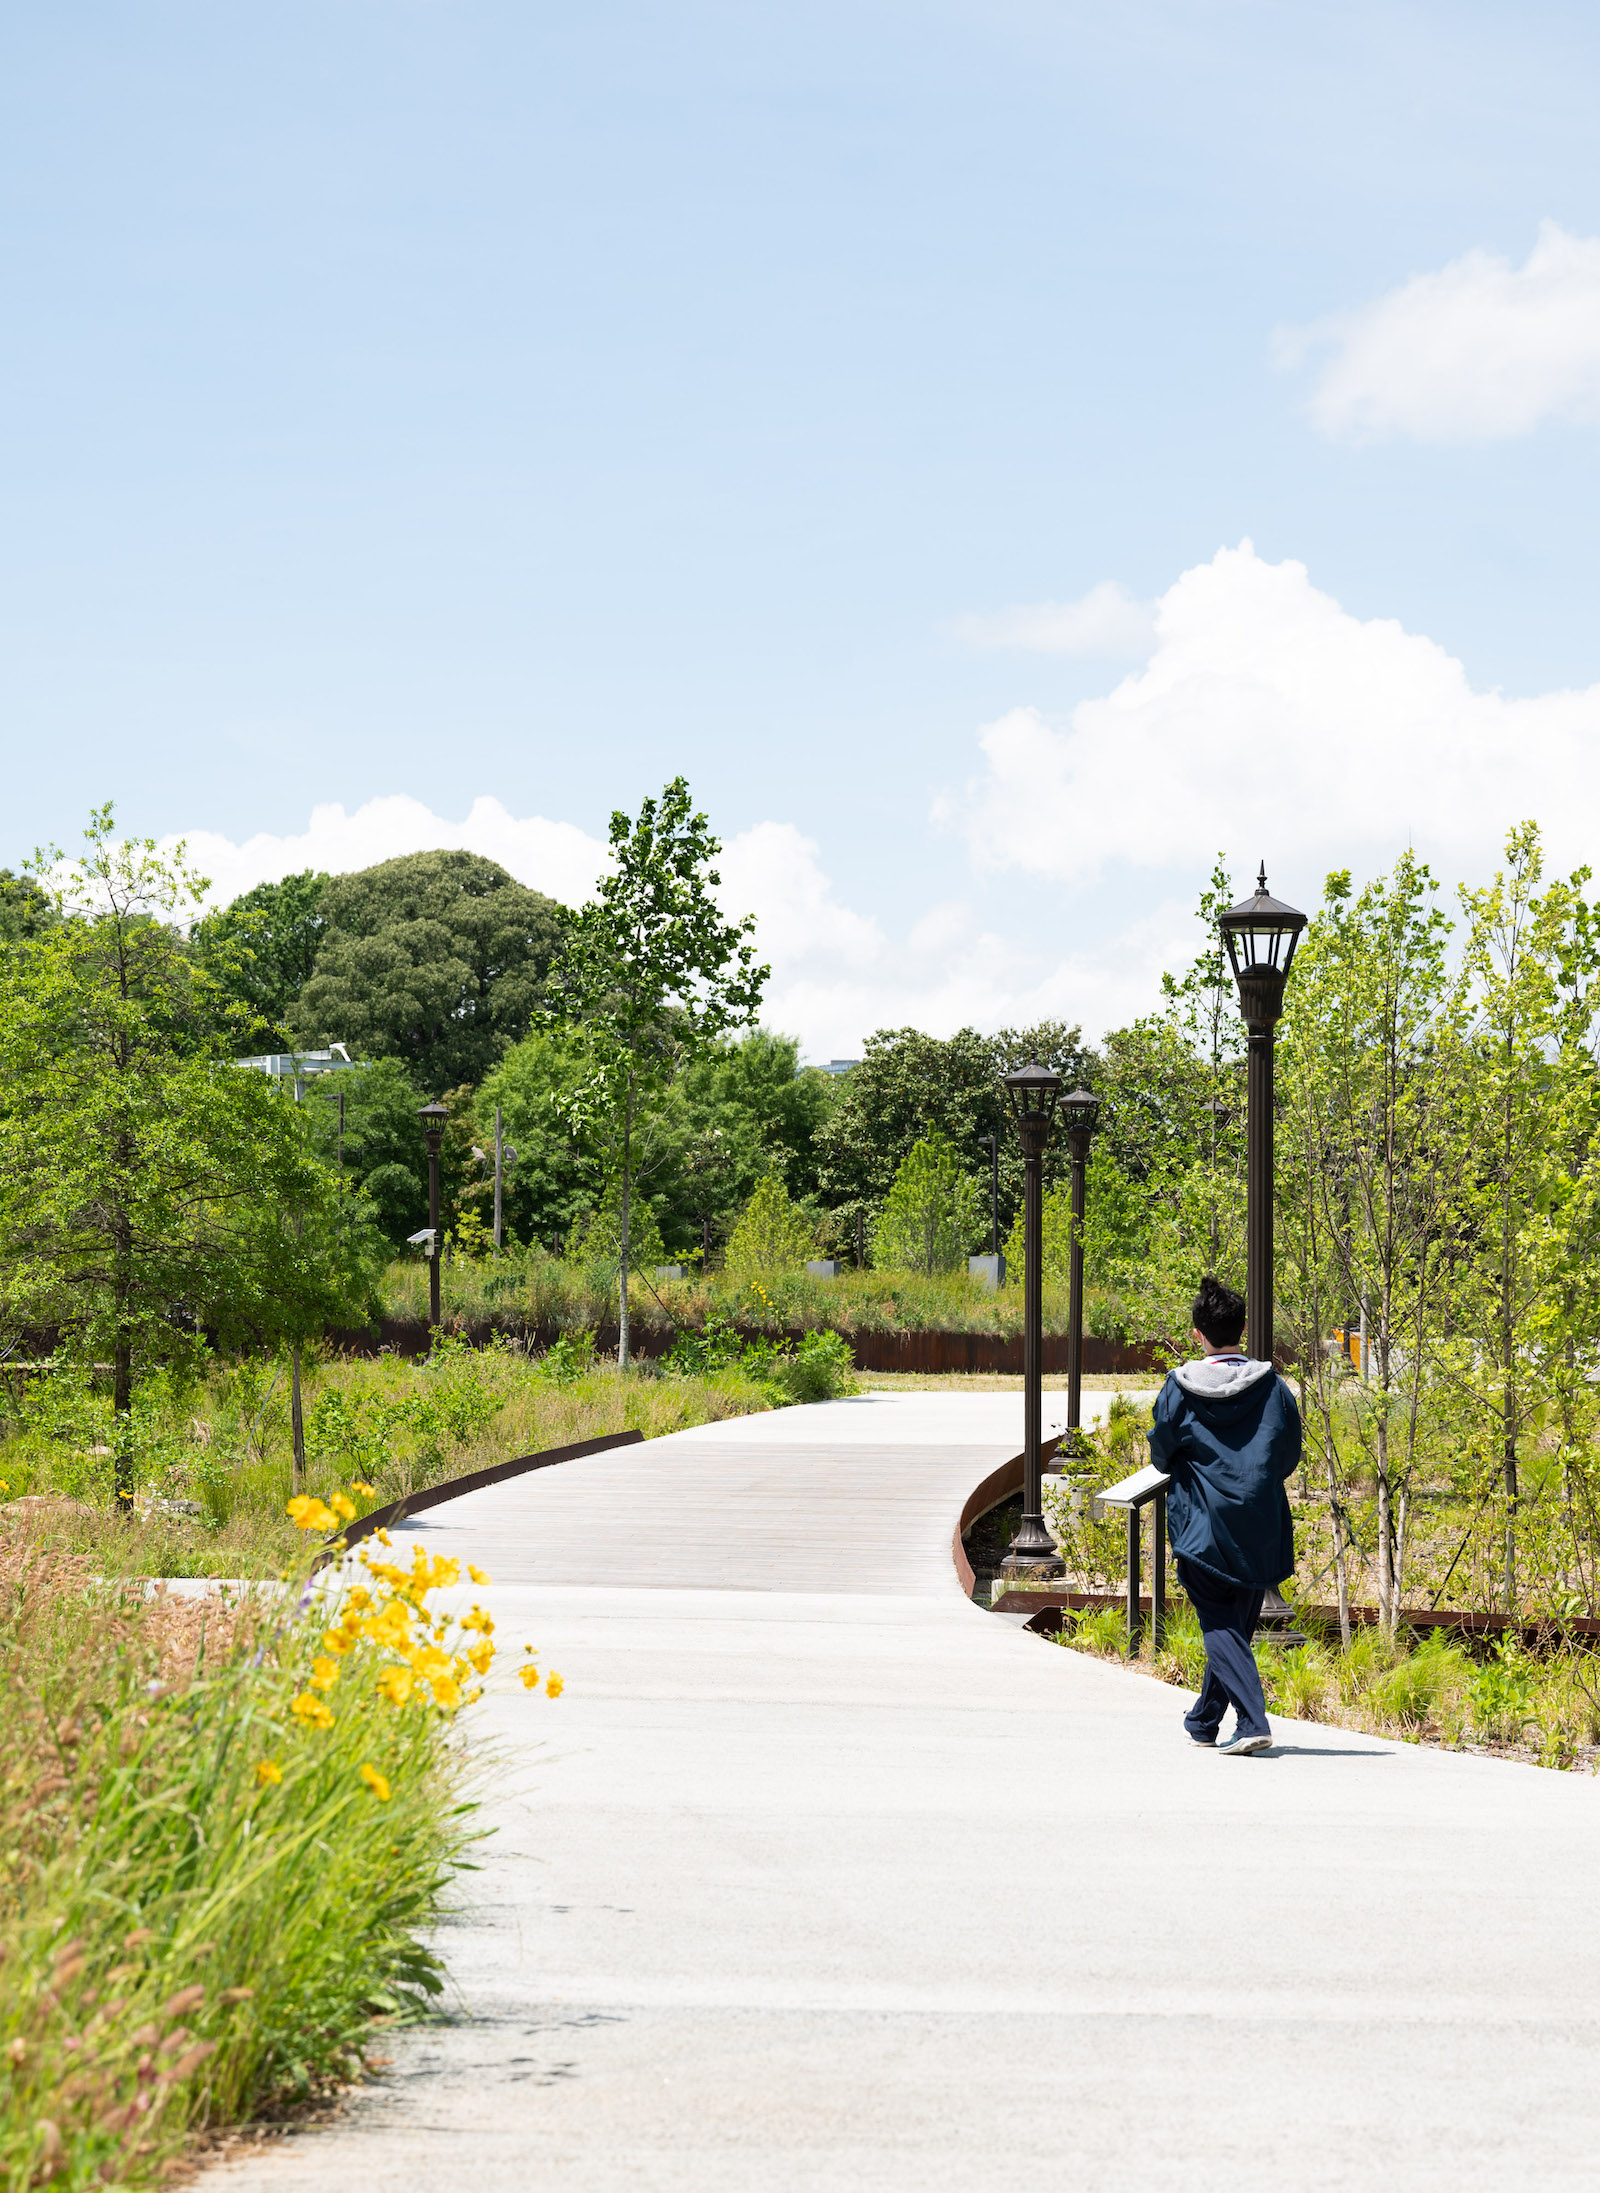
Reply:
x=1080, y=1115
x=433, y=1117
x=1033, y=1091
x=1261, y=934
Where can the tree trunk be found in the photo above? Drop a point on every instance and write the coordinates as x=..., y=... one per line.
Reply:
x=1509, y=1421
x=627, y=1187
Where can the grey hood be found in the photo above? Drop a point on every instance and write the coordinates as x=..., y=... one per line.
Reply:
x=1211, y=1381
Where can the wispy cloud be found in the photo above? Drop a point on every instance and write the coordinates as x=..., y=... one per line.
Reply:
x=1479, y=351
x=1105, y=621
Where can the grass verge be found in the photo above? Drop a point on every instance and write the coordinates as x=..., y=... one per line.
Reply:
x=1541, y=1707
x=225, y=1829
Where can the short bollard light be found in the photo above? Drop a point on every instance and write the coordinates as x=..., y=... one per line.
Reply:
x=1145, y=1488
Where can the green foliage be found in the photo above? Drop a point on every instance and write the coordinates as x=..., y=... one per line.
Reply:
x=569, y=1357
x=559, y=1171
x=202, y=1866
x=437, y=959
x=595, y=1246
x=150, y=1192
x=772, y=1235
x=385, y=1160
x=931, y=1215
x=820, y=1369
x=652, y=976
x=26, y=908
x=261, y=949
x=909, y=1087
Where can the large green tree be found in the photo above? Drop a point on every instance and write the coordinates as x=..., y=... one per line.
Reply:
x=438, y=959
x=150, y=1192
x=909, y=1086
x=652, y=976
x=261, y=949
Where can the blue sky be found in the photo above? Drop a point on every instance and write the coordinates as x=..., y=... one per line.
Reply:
x=464, y=402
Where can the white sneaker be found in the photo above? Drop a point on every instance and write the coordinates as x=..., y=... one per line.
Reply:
x=1237, y=1746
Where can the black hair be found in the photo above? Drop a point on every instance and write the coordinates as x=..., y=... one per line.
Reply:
x=1218, y=1313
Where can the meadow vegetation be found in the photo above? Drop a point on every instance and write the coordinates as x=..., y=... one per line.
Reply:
x=228, y=1824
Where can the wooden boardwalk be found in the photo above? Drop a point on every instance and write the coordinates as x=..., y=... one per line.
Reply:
x=820, y=1879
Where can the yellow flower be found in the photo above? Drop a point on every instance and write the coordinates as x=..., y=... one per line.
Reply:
x=342, y=1507
x=481, y=1655
x=429, y=1660
x=479, y=1576
x=395, y=1685
x=338, y=1640
x=307, y=1514
x=324, y=1673
x=530, y=1675
x=366, y=1491
x=554, y=1687
x=478, y=1620
x=446, y=1692
x=268, y=1770
x=382, y=1536
x=360, y=1596
x=376, y=1782
x=307, y=1708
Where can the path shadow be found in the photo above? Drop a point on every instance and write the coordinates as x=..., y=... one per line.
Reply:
x=1322, y=1751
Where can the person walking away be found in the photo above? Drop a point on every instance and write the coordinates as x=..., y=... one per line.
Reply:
x=1227, y=1432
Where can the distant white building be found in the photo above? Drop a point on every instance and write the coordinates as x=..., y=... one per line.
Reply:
x=839, y=1065
x=298, y=1065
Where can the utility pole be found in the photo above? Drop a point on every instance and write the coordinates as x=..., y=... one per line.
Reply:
x=497, y=1146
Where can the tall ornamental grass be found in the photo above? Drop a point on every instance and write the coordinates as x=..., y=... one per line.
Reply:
x=212, y=1462
x=226, y=1828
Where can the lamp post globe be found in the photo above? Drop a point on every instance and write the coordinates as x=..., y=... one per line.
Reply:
x=1079, y=1114
x=1033, y=1092
x=1261, y=934
x=433, y=1117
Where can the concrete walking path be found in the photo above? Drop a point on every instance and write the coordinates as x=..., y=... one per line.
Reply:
x=820, y=1877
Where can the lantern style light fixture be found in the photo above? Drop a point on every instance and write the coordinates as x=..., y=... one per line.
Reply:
x=1079, y=1115
x=1033, y=1091
x=1261, y=934
x=433, y=1117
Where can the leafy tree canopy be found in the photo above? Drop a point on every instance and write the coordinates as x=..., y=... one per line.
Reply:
x=909, y=1086
x=931, y=1215
x=438, y=959
x=262, y=948
x=772, y=1234
x=150, y=1192
x=26, y=907
x=379, y=1141
x=652, y=976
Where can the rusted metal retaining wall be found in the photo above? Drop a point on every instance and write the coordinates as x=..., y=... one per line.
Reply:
x=929, y=1353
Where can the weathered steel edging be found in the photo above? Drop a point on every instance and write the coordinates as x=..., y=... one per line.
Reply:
x=434, y=1496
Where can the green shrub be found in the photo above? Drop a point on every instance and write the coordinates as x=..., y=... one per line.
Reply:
x=819, y=1370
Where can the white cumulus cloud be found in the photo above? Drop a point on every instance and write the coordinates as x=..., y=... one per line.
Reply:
x=555, y=857
x=838, y=974
x=1479, y=351
x=1270, y=723
x=1105, y=621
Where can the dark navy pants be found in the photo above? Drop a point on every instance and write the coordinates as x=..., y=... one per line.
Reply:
x=1228, y=1617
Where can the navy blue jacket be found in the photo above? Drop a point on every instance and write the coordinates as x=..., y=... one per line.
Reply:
x=1229, y=1434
